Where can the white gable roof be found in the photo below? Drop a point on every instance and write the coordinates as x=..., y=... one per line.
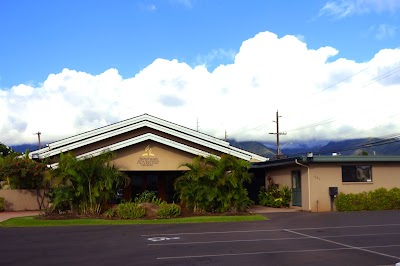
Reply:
x=149, y=121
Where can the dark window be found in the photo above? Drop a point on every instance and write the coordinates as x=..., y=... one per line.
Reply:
x=356, y=173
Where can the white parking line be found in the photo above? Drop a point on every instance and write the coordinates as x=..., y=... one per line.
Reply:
x=266, y=252
x=270, y=230
x=344, y=245
x=261, y=239
x=228, y=241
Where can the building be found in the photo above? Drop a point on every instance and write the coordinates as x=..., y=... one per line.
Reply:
x=314, y=179
x=148, y=149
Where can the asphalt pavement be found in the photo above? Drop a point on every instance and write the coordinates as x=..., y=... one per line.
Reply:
x=295, y=238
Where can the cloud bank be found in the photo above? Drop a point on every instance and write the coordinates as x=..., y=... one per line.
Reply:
x=319, y=95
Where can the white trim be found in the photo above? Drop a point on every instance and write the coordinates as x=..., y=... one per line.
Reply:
x=134, y=120
x=225, y=149
x=141, y=138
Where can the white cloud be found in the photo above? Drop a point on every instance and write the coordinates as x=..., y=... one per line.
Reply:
x=384, y=31
x=345, y=8
x=268, y=73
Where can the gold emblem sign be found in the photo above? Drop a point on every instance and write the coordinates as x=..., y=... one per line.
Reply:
x=148, y=158
x=148, y=151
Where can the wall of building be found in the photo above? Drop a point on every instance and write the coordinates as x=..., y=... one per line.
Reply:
x=162, y=157
x=323, y=176
x=282, y=176
x=21, y=200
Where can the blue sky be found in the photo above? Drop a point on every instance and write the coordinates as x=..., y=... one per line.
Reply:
x=118, y=42
x=43, y=37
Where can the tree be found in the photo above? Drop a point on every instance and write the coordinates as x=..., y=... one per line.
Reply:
x=215, y=185
x=5, y=150
x=86, y=184
x=21, y=172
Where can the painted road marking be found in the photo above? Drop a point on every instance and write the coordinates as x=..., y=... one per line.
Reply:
x=344, y=245
x=162, y=238
x=228, y=241
x=267, y=252
x=272, y=230
x=263, y=239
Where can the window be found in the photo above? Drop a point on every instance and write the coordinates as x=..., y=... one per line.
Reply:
x=356, y=173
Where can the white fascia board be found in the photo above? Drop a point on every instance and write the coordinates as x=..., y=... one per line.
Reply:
x=141, y=138
x=132, y=121
x=163, y=140
x=147, y=136
x=42, y=150
x=226, y=149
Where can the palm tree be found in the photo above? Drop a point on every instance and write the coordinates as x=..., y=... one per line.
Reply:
x=87, y=183
x=213, y=184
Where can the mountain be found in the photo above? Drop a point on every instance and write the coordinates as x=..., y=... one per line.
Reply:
x=254, y=147
x=24, y=147
x=362, y=146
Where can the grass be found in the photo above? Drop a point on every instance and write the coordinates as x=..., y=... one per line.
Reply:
x=32, y=222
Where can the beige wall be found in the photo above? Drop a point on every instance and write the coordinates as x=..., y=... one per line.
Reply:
x=21, y=200
x=323, y=176
x=133, y=158
x=282, y=177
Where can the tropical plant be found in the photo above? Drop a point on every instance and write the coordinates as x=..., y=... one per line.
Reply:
x=214, y=185
x=166, y=210
x=275, y=196
x=130, y=210
x=149, y=197
x=109, y=213
x=87, y=183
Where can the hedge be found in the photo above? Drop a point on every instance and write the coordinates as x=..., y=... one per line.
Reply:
x=379, y=199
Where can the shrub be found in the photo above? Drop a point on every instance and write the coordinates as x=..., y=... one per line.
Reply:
x=166, y=210
x=379, y=199
x=2, y=204
x=275, y=196
x=109, y=213
x=61, y=198
x=130, y=210
x=149, y=197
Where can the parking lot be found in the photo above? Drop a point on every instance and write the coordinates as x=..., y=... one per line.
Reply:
x=352, y=245
x=359, y=238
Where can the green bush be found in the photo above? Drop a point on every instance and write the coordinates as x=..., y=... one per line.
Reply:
x=166, y=210
x=379, y=199
x=130, y=210
x=109, y=213
x=2, y=204
x=275, y=196
x=149, y=197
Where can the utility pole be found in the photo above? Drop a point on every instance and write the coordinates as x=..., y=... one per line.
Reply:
x=38, y=135
x=278, y=150
x=226, y=135
x=197, y=123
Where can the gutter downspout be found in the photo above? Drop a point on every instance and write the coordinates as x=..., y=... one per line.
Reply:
x=308, y=183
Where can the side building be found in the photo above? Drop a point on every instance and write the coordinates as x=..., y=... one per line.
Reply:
x=315, y=180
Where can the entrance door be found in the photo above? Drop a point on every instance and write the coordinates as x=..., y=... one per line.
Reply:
x=296, y=188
